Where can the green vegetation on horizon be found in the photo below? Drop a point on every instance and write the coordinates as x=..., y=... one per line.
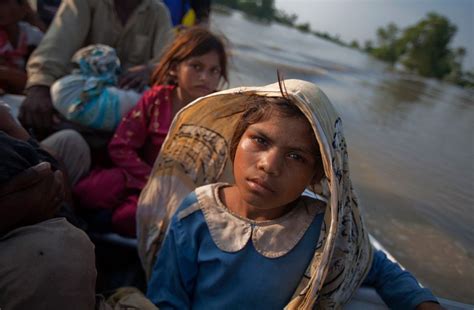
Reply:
x=422, y=48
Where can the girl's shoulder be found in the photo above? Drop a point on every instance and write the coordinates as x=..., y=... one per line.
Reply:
x=161, y=89
x=197, y=200
x=158, y=92
x=188, y=219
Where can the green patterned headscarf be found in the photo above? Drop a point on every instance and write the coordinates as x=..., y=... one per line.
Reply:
x=196, y=152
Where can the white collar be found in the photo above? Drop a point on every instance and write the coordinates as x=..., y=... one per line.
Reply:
x=272, y=238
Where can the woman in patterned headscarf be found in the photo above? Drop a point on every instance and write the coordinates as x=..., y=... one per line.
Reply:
x=280, y=228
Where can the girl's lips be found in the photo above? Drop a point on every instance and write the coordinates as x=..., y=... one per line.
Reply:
x=203, y=88
x=260, y=185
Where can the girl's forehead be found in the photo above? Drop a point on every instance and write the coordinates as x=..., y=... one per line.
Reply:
x=212, y=54
x=291, y=130
x=282, y=123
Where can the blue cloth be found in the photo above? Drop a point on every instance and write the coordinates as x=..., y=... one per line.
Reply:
x=397, y=287
x=177, y=10
x=191, y=272
x=90, y=95
x=199, y=275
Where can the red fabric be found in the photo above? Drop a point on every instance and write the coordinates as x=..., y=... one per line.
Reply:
x=10, y=56
x=123, y=218
x=101, y=189
x=133, y=150
x=138, y=138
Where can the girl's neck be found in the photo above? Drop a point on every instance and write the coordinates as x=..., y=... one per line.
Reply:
x=180, y=100
x=230, y=197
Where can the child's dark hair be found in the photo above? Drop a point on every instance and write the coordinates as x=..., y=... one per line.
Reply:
x=191, y=42
x=258, y=109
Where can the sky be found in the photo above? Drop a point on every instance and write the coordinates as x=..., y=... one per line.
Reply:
x=359, y=19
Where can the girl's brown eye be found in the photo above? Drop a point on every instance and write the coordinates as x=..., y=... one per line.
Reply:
x=259, y=140
x=196, y=67
x=296, y=157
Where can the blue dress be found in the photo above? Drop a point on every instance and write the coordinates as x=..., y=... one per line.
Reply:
x=192, y=271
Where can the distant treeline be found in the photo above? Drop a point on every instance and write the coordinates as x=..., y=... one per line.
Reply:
x=422, y=48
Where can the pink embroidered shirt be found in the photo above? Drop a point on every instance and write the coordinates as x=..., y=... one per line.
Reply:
x=138, y=138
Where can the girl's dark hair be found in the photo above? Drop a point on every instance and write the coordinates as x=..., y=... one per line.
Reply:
x=260, y=108
x=191, y=42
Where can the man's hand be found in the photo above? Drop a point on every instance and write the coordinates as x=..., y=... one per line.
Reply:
x=37, y=110
x=136, y=77
x=33, y=196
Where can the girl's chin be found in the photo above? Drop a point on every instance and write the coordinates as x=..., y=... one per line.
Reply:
x=259, y=203
x=202, y=91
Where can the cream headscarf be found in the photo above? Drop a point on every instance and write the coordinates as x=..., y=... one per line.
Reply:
x=196, y=152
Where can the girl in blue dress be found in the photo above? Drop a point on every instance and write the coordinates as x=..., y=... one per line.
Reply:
x=274, y=222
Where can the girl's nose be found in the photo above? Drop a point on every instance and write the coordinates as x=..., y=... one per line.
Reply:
x=271, y=162
x=203, y=75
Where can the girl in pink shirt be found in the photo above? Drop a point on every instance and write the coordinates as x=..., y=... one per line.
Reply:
x=193, y=66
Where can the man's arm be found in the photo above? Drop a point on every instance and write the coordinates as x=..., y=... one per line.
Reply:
x=33, y=196
x=9, y=125
x=64, y=37
x=50, y=61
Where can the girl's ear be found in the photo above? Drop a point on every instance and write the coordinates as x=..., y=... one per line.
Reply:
x=315, y=180
x=172, y=74
x=318, y=174
x=173, y=71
